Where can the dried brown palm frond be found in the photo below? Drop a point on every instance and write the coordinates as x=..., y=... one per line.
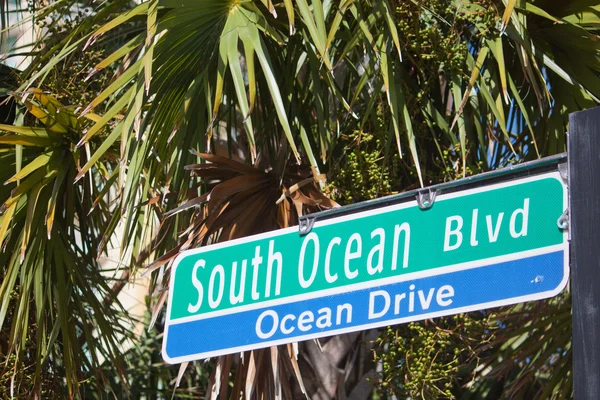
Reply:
x=242, y=200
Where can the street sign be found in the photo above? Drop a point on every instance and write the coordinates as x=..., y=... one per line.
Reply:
x=466, y=250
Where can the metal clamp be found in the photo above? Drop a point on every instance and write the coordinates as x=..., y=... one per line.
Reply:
x=563, y=220
x=305, y=225
x=425, y=199
x=563, y=169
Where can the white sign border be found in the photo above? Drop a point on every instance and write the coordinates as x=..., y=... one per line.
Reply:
x=377, y=282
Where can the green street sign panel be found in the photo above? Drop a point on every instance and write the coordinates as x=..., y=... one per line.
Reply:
x=473, y=249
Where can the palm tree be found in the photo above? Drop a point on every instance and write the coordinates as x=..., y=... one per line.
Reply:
x=212, y=120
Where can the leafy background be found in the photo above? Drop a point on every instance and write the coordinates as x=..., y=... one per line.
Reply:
x=156, y=127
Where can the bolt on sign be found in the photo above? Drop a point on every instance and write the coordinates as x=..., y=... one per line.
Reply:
x=473, y=249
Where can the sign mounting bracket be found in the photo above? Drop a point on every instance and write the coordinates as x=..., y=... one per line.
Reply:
x=426, y=198
x=305, y=225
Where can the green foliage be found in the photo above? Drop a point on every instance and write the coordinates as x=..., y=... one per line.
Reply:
x=363, y=175
x=61, y=321
x=22, y=370
x=452, y=171
x=532, y=354
x=147, y=376
x=437, y=35
x=384, y=95
x=50, y=232
x=425, y=359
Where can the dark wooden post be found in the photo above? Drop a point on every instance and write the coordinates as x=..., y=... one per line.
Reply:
x=584, y=170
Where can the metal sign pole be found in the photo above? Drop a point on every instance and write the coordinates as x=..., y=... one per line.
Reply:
x=584, y=167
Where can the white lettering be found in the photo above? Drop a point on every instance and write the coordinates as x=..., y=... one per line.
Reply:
x=474, y=241
x=397, y=299
x=284, y=330
x=386, y=301
x=405, y=227
x=425, y=301
x=411, y=298
x=524, y=212
x=261, y=317
x=340, y=308
x=324, y=321
x=304, y=321
x=305, y=283
x=273, y=257
x=192, y=308
x=453, y=232
x=493, y=235
x=328, y=277
x=256, y=261
x=212, y=302
x=233, y=298
x=443, y=293
x=378, y=248
x=351, y=255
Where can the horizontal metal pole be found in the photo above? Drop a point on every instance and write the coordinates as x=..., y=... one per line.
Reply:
x=511, y=172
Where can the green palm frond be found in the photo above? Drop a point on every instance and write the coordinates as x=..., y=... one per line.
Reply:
x=49, y=237
x=287, y=89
